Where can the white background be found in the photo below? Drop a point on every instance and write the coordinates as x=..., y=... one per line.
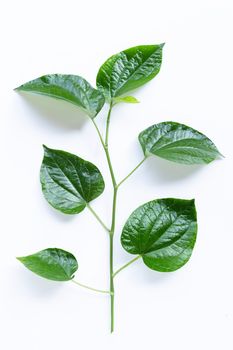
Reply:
x=188, y=309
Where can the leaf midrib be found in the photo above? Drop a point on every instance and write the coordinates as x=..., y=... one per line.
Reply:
x=131, y=75
x=152, y=227
x=69, y=179
x=60, y=265
x=172, y=241
x=169, y=144
x=62, y=268
x=64, y=188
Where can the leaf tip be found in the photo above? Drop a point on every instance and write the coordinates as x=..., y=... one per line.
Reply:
x=19, y=258
x=193, y=202
x=220, y=156
x=18, y=88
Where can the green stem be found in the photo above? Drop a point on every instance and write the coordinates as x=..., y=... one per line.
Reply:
x=110, y=167
x=108, y=123
x=111, y=256
x=91, y=288
x=98, y=132
x=125, y=178
x=98, y=218
x=126, y=265
x=112, y=230
x=111, y=281
x=114, y=184
x=105, y=146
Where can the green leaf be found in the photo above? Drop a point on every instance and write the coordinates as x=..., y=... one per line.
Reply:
x=70, y=88
x=69, y=182
x=129, y=69
x=126, y=99
x=178, y=143
x=163, y=232
x=52, y=263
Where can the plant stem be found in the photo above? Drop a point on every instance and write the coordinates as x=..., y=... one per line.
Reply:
x=98, y=218
x=115, y=188
x=98, y=132
x=105, y=145
x=111, y=281
x=108, y=123
x=126, y=265
x=91, y=288
x=125, y=178
x=114, y=184
x=111, y=256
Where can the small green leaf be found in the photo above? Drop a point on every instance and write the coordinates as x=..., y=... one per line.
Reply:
x=163, y=232
x=69, y=182
x=178, y=143
x=126, y=99
x=129, y=69
x=70, y=88
x=52, y=263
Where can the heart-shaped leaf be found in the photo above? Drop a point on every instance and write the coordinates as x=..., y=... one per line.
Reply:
x=178, y=143
x=163, y=232
x=129, y=69
x=69, y=182
x=70, y=88
x=52, y=263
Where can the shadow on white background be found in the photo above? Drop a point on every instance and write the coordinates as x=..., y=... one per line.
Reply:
x=35, y=286
x=55, y=112
x=164, y=171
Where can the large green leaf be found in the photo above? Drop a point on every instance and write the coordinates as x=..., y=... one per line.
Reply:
x=163, y=232
x=178, y=143
x=52, y=263
x=129, y=69
x=69, y=182
x=71, y=88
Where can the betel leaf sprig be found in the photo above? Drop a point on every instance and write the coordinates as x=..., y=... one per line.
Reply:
x=162, y=232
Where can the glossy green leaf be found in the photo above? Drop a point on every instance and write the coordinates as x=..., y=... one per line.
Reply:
x=163, y=232
x=69, y=182
x=70, y=88
x=129, y=69
x=125, y=99
x=52, y=263
x=178, y=143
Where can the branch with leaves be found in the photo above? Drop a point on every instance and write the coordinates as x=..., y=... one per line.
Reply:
x=161, y=232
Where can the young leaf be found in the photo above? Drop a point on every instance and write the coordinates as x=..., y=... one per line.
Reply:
x=129, y=69
x=70, y=88
x=69, y=182
x=163, y=232
x=125, y=99
x=52, y=263
x=178, y=143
